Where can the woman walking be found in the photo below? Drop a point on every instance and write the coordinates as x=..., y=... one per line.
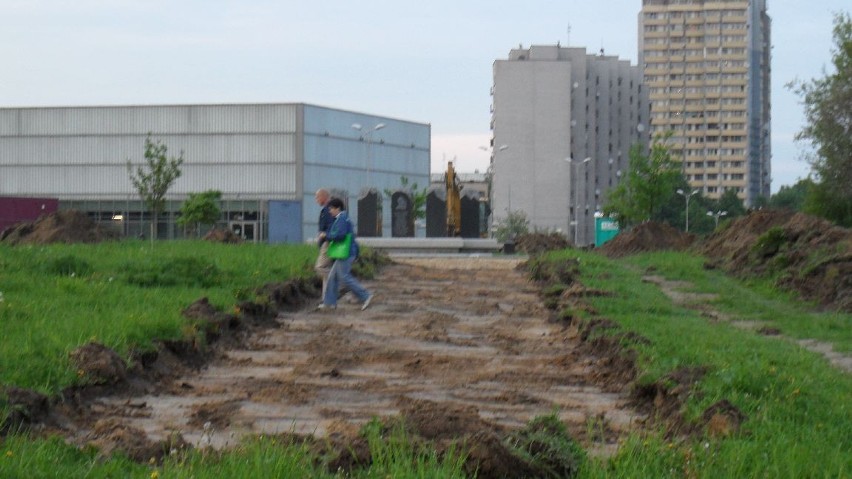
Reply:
x=341, y=269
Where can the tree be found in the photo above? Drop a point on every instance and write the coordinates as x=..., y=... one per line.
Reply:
x=649, y=185
x=792, y=197
x=200, y=209
x=515, y=225
x=828, y=113
x=731, y=203
x=154, y=181
x=418, y=196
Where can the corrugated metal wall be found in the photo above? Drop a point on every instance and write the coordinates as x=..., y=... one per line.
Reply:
x=246, y=150
x=341, y=157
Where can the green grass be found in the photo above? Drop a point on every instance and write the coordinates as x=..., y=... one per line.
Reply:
x=799, y=424
x=56, y=298
x=798, y=406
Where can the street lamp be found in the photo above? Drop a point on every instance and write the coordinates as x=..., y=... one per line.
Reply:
x=687, y=196
x=576, y=186
x=367, y=135
x=716, y=216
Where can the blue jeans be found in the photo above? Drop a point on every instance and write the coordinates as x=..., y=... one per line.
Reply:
x=341, y=273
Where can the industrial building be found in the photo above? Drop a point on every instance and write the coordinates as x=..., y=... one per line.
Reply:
x=563, y=122
x=267, y=160
x=707, y=69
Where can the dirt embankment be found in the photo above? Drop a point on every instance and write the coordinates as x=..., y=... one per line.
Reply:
x=649, y=236
x=68, y=226
x=809, y=255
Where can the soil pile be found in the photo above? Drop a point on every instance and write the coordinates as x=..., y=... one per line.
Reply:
x=68, y=226
x=223, y=236
x=808, y=254
x=649, y=236
x=534, y=243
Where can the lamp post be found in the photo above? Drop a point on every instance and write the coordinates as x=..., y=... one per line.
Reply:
x=716, y=216
x=687, y=196
x=367, y=135
x=576, y=187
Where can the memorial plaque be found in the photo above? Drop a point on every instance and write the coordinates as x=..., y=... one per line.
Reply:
x=402, y=215
x=369, y=214
x=436, y=214
x=470, y=214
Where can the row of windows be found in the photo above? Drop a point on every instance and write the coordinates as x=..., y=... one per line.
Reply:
x=712, y=164
x=681, y=77
x=714, y=189
x=697, y=89
x=715, y=177
x=714, y=152
x=704, y=64
x=696, y=52
x=710, y=38
x=680, y=27
x=695, y=14
x=707, y=139
x=696, y=102
x=679, y=115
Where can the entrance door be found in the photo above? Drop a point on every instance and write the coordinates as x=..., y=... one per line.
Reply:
x=245, y=230
x=285, y=221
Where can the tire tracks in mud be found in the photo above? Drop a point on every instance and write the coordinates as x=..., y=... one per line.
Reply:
x=458, y=332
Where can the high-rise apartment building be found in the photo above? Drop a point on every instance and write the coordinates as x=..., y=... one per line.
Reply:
x=563, y=123
x=706, y=67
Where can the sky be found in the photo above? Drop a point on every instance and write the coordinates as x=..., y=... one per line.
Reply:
x=423, y=61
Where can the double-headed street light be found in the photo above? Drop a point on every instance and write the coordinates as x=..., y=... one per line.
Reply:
x=687, y=196
x=716, y=216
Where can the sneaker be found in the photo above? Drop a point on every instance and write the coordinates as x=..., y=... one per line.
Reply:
x=367, y=302
x=326, y=307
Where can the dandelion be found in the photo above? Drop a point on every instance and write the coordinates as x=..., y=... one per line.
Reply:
x=155, y=475
x=9, y=453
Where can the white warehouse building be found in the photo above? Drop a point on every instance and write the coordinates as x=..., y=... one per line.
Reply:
x=267, y=160
x=563, y=124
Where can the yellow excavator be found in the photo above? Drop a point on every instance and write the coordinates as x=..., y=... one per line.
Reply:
x=453, y=202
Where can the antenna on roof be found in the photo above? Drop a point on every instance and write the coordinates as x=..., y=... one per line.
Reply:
x=568, y=42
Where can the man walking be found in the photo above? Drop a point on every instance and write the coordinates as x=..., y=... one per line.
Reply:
x=323, y=264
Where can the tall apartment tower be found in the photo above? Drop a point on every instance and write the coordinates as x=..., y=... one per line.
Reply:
x=706, y=66
x=563, y=122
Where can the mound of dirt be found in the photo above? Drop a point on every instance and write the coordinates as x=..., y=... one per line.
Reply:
x=534, y=243
x=649, y=236
x=810, y=255
x=68, y=226
x=223, y=236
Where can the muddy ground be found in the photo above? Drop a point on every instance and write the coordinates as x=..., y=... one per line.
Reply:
x=462, y=346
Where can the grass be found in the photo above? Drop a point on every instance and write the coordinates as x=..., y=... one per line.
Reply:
x=797, y=405
x=56, y=298
x=799, y=424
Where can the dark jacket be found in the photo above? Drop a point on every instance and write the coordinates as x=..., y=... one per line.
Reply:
x=340, y=228
x=325, y=221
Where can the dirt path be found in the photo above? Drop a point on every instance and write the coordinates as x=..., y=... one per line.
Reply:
x=460, y=332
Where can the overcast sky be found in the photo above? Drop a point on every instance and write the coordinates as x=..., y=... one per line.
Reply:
x=427, y=61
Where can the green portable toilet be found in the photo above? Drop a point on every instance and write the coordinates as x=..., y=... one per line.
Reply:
x=605, y=230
